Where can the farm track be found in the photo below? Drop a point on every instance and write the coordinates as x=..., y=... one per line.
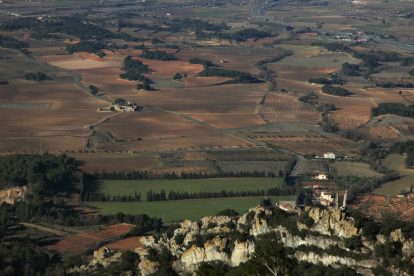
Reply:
x=89, y=141
x=89, y=144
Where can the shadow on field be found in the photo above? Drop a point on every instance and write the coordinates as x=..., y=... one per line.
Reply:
x=93, y=185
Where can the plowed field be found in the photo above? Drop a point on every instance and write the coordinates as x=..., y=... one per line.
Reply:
x=285, y=108
x=381, y=95
x=350, y=118
x=83, y=60
x=382, y=132
x=229, y=120
x=79, y=244
x=126, y=244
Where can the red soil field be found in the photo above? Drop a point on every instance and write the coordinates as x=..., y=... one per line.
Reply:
x=78, y=244
x=229, y=120
x=116, y=164
x=208, y=108
x=286, y=108
x=379, y=207
x=126, y=244
x=350, y=118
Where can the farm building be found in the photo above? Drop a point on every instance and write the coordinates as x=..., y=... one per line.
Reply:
x=325, y=202
x=321, y=176
x=329, y=155
x=12, y=195
x=326, y=196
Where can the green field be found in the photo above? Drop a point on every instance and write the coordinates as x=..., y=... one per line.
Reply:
x=128, y=187
x=353, y=168
x=213, y=13
x=185, y=209
x=396, y=162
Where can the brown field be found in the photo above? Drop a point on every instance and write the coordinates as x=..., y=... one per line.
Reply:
x=286, y=108
x=108, y=82
x=162, y=131
x=179, y=170
x=229, y=120
x=129, y=52
x=381, y=95
x=126, y=244
x=159, y=67
x=79, y=244
x=192, y=101
x=380, y=207
x=202, y=81
x=116, y=164
x=83, y=60
x=350, y=118
x=347, y=103
x=245, y=90
x=382, y=132
x=318, y=146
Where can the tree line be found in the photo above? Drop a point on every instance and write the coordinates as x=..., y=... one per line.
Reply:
x=206, y=63
x=406, y=147
x=146, y=175
x=39, y=76
x=172, y=195
x=74, y=25
x=10, y=42
x=393, y=108
x=240, y=77
x=396, y=84
x=157, y=55
x=85, y=46
x=334, y=90
x=100, y=197
x=134, y=76
x=134, y=65
x=241, y=35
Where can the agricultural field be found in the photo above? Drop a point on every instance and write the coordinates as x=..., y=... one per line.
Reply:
x=328, y=61
x=314, y=167
x=82, y=243
x=129, y=187
x=285, y=108
x=91, y=165
x=352, y=168
x=380, y=207
x=396, y=162
x=130, y=243
x=251, y=166
x=350, y=118
x=229, y=120
x=186, y=209
x=317, y=146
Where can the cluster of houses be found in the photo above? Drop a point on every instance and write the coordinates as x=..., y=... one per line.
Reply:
x=128, y=107
x=12, y=195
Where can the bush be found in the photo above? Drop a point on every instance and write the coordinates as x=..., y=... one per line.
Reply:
x=227, y=212
x=337, y=91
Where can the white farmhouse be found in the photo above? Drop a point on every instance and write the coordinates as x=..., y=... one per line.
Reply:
x=329, y=155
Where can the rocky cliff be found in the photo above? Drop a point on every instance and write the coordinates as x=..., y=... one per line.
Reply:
x=231, y=240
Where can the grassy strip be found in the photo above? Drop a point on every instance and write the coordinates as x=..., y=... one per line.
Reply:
x=185, y=209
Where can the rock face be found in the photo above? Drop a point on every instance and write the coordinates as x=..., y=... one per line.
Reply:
x=215, y=237
x=332, y=221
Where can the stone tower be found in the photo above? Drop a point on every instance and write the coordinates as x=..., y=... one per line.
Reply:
x=345, y=198
x=337, y=200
